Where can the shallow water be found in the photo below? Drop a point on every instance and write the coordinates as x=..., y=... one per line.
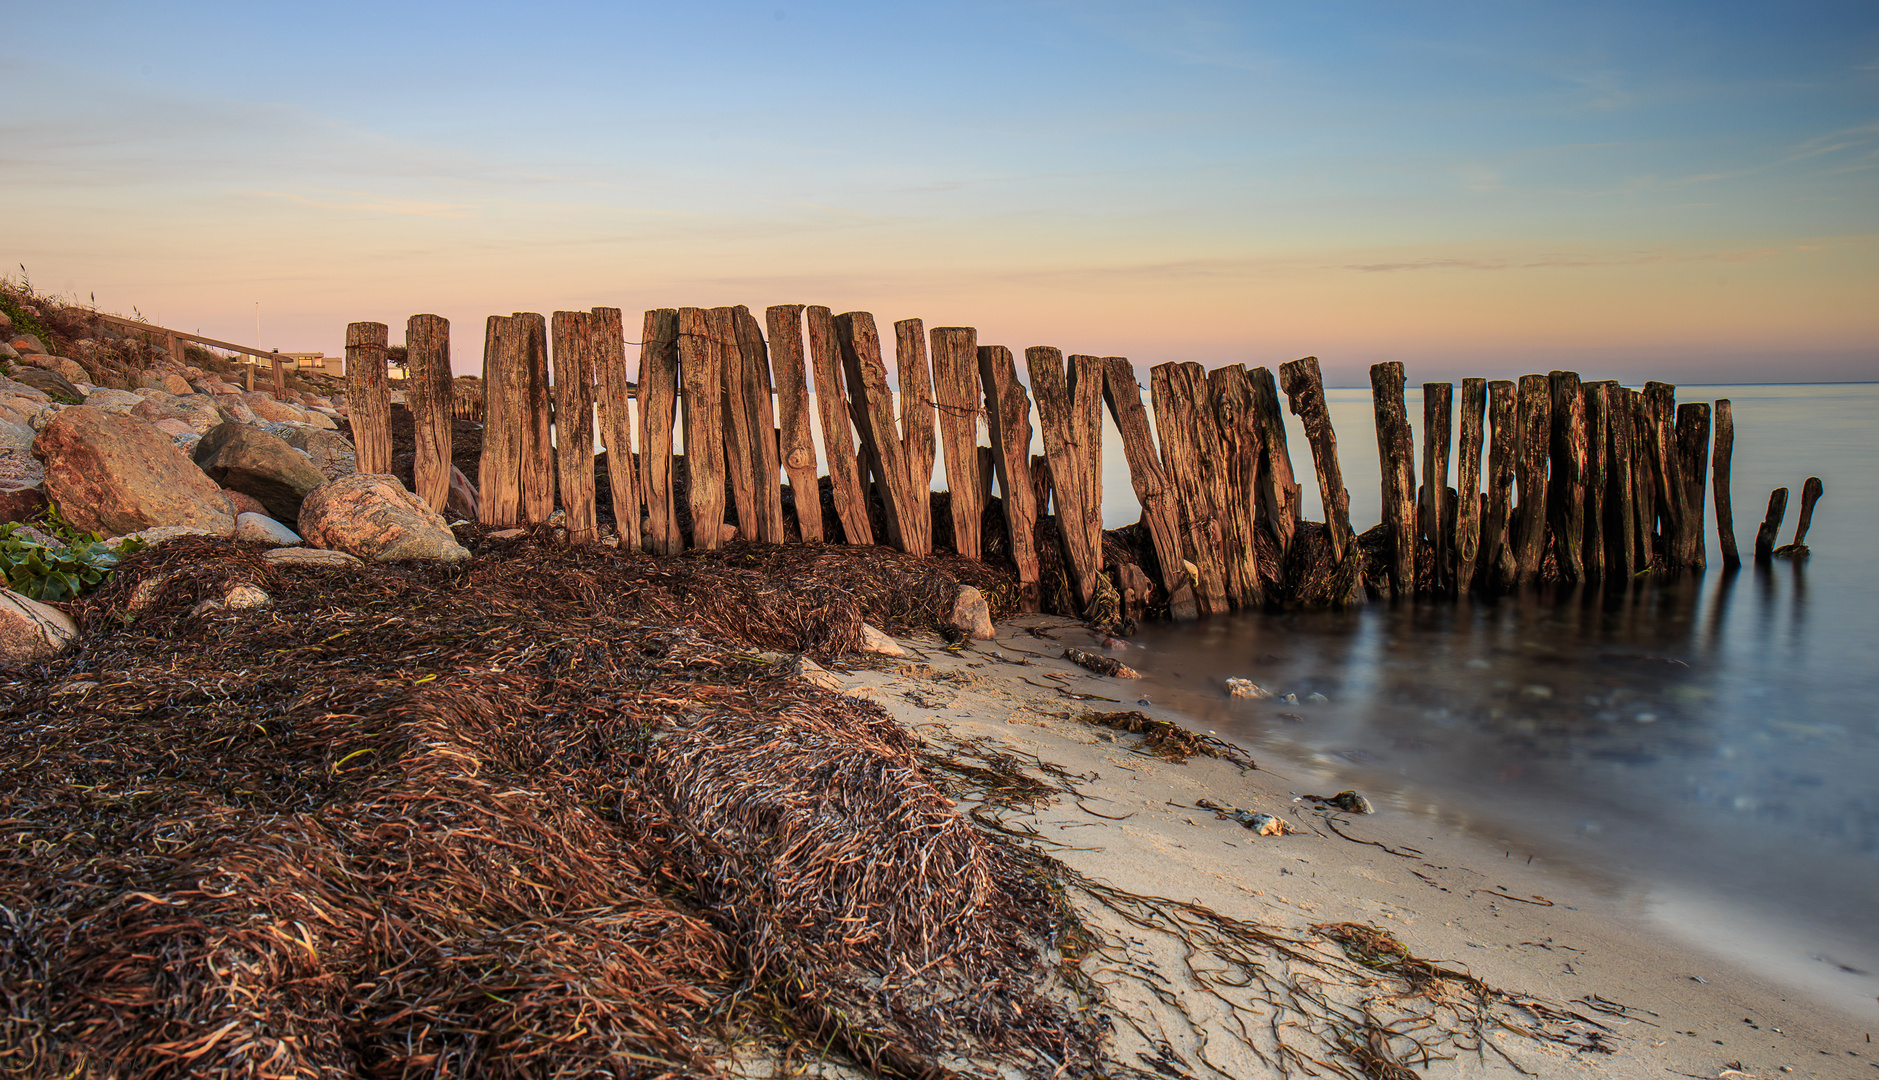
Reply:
x=1708, y=743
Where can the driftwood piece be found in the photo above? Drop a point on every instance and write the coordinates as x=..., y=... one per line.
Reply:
x=1179, y=396
x=1592, y=552
x=1100, y=664
x=1811, y=491
x=838, y=441
x=1438, y=525
x=1304, y=391
x=1536, y=426
x=615, y=393
x=1008, y=414
x=1231, y=390
x=1719, y=479
x=1070, y=416
x=1621, y=515
x=432, y=399
x=917, y=445
x=573, y=333
x=1468, y=499
x=1566, y=486
x=1277, y=488
x=658, y=411
x=1771, y=524
x=957, y=398
x=798, y=448
x=1496, y=560
x=499, y=472
x=368, y=398
x=701, y=370
x=1396, y=455
x=1693, y=467
x=538, y=464
x=909, y=522
x=1160, y=505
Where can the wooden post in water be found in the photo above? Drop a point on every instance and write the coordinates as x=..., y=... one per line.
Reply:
x=1277, y=493
x=432, y=399
x=1771, y=524
x=616, y=431
x=1592, y=552
x=1179, y=395
x=798, y=449
x=499, y=472
x=1811, y=492
x=1468, y=500
x=1566, y=487
x=1070, y=415
x=909, y=523
x=368, y=399
x=658, y=409
x=1437, y=413
x=957, y=397
x=1643, y=483
x=838, y=441
x=1232, y=392
x=1536, y=427
x=574, y=422
x=538, y=466
x=1496, y=559
x=1621, y=516
x=917, y=446
x=1304, y=391
x=1660, y=411
x=1008, y=414
x=1693, y=466
x=700, y=374
x=1719, y=476
x=1396, y=455
x=1153, y=490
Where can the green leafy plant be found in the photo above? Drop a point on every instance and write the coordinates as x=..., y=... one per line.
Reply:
x=53, y=560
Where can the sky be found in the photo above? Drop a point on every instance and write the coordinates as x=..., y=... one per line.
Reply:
x=1686, y=191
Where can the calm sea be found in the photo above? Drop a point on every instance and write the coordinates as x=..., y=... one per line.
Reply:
x=1708, y=745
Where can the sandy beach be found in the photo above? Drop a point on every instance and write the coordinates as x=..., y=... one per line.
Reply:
x=1628, y=999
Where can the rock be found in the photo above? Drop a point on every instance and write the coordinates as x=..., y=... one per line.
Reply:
x=58, y=365
x=1348, y=801
x=239, y=597
x=163, y=534
x=236, y=408
x=176, y=384
x=375, y=518
x=1264, y=824
x=8, y=352
x=305, y=556
x=1247, y=688
x=727, y=532
x=118, y=401
x=1290, y=699
x=21, y=499
x=1316, y=699
x=259, y=528
x=874, y=641
x=6, y=323
x=816, y=675
x=463, y=500
x=15, y=388
x=972, y=616
x=506, y=534
x=56, y=386
x=243, y=503
x=14, y=436
x=267, y=408
x=30, y=630
x=199, y=411
x=177, y=430
x=115, y=475
x=1101, y=665
x=27, y=343
x=251, y=460
x=329, y=450
x=321, y=421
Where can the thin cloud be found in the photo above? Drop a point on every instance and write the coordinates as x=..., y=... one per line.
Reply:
x=361, y=201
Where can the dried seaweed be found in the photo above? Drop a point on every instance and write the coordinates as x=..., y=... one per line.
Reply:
x=1170, y=740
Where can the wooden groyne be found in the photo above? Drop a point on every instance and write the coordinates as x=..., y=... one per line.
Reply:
x=1556, y=480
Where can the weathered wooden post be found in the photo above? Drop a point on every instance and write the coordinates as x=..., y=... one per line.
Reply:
x=1660, y=411
x=1771, y=524
x=1070, y=415
x=573, y=333
x=1160, y=506
x=1592, y=558
x=1643, y=482
x=1719, y=476
x=1536, y=427
x=734, y=408
x=1497, y=569
x=1008, y=414
x=750, y=429
x=431, y=398
x=1566, y=487
x=1621, y=519
x=1232, y=392
x=1437, y=412
x=1396, y=455
x=1811, y=492
x=701, y=368
x=1693, y=465
x=1468, y=500
x=658, y=409
x=280, y=379
x=957, y=397
x=1178, y=396
x=616, y=390
x=909, y=524
x=838, y=441
x=917, y=445
x=798, y=448
x=1278, y=495
x=1304, y=391
x=537, y=466
x=499, y=472
x=368, y=399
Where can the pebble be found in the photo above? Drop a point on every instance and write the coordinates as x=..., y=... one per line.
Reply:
x=1317, y=699
x=1247, y=688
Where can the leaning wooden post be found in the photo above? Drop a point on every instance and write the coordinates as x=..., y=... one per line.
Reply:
x=1278, y=494
x=1621, y=546
x=956, y=395
x=1693, y=464
x=538, y=468
x=917, y=445
x=1437, y=419
x=1719, y=477
x=616, y=390
x=798, y=448
x=1008, y=414
x=1536, y=426
x=1811, y=492
x=1173, y=393
x=573, y=333
x=1566, y=488
x=368, y=399
x=909, y=523
x=499, y=473
x=1304, y=391
x=1496, y=559
x=1771, y=524
x=432, y=399
x=838, y=440
x=1474, y=404
x=1396, y=454
x=701, y=367
x=1069, y=413
x=1232, y=392
x=1160, y=509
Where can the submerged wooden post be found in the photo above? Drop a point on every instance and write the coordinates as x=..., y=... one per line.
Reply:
x=1811, y=492
x=368, y=399
x=432, y=400
x=1396, y=455
x=1468, y=500
x=1178, y=396
x=499, y=472
x=1621, y=517
x=798, y=449
x=1277, y=489
x=574, y=422
x=1693, y=465
x=1232, y=392
x=700, y=373
x=1069, y=413
x=1008, y=414
x=1496, y=559
x=909, y=523
x=658, y=409
x=616, y=431
x=1437, y=412
x=1304, y=391
x=1771, y=524
x=1719, y=477
x=1160, y=505
x=1536, y=426
x=956, y=396
x=538, y=467
x=1566, y=488
x=838, y=440
x=917, y=446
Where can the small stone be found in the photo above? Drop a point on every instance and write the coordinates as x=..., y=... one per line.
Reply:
x=816, y=675
x=1290, y=699
x=506, y=534
x=874, y=641
x=305, y=556
x=1101, y=665
x=163, y=534
x=727, y=532
x=972, y=615
x=1247, y=688
x=1316, y=699
x=259, y=528
x=30, y=630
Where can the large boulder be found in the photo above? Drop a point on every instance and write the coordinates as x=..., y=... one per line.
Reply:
x=332, y=454
x=267, y=408
x=250, y=460
x=116, y=475
x=199, y=411
x=55, y=385
x=30, y=630
x=15, y=436
x=27, y=343
x=65, y=368
x=373, y=516
x=118, y=401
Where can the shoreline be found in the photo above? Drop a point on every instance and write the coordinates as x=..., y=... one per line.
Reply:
x=1448, y=895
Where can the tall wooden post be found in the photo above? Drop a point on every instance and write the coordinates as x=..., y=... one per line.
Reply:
x=957, y=397
x=1160, y=507
x=574, y=422
x=838, y=441
x=1232, y=392
x=367, y=397
x=1497, y=567
x=616, y=431
x=1597, y=484
x=1771, y=524
x=1693, y=465
x=431, y=398
x=1468, y=500
x=1621, y=518
x=1069, y=412
x=909, y=523
x=658, y=409
x=1179, y=395
x=701, y=367
x=280, y=379
x=1643, y=484
x=1304, y=390
x=538, y=469
x=1437, y=411
x=1719, y=475
x=499, y=475
x=917, y=444
x=1811, y=491
x=798, y=448
x=1660, y=412
x=1008, y=414
x=1396, y=454
x=1278, y=496
x=1536, y=428
x=1566, y=487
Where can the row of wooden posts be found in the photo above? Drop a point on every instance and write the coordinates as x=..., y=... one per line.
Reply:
x=1610, y=481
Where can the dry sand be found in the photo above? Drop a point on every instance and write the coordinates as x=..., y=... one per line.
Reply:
x=1136, y=823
